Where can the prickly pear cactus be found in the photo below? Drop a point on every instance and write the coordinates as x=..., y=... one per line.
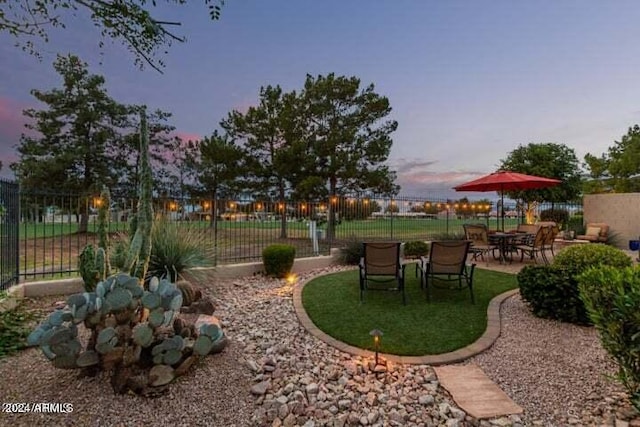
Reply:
x=131, y=328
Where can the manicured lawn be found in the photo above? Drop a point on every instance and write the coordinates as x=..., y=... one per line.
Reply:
x=445, y=324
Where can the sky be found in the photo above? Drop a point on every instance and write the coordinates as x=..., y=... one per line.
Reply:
x=468, y=81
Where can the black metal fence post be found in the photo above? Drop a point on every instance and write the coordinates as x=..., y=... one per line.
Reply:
x=9, y=234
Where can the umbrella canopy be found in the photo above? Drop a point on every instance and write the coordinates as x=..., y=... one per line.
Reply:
x=507, y=181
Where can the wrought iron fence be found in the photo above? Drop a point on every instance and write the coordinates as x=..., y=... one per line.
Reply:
x=9, y=237
x=55, y=227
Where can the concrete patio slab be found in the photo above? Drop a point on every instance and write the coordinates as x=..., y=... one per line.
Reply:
x=474, y=392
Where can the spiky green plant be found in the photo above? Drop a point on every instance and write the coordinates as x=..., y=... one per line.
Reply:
x=175, y=248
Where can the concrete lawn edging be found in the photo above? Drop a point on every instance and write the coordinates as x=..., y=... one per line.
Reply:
x=485, y=341
x=229, y=271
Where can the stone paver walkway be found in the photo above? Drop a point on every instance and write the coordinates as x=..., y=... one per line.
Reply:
x=474, y=392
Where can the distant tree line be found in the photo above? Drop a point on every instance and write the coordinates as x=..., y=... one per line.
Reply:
x=327, y=140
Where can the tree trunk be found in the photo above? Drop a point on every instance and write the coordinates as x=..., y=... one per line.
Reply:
x=331, y=225
x=84, y=217
x=283, y=217
x=214, y=226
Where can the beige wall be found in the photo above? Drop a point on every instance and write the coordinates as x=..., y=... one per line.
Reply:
x=621, y=211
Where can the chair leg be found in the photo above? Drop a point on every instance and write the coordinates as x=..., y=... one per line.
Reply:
x=426, y=286
x=361, y=290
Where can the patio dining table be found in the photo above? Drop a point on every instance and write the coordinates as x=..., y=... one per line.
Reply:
x=506, y=243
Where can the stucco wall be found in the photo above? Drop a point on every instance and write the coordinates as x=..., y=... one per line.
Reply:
x=621, y=211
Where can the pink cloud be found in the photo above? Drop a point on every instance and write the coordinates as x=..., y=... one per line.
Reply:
x=11, y=119
x=186, y=136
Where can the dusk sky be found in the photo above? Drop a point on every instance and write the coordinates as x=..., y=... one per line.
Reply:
x=468, y=81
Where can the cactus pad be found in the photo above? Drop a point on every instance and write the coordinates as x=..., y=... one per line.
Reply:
x=203, y=345
x=142, y=334
x=88, y=358
x=119, y=298
x=151, y=300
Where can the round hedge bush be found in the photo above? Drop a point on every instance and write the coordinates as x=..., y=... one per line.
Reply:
x=552, y=291
x=278, y=260
x=579, y=258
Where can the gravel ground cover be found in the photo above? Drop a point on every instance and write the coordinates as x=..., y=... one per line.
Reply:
x=275, y=374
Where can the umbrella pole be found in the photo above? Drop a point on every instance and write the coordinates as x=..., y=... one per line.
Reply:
x=502, y=208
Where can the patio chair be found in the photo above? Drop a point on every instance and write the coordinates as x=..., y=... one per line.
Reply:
x=533, y=246
x=381, y=263
x=447, y=262
x=527, y=228
x=549, y=239
x=479, y=238
x=597, y=232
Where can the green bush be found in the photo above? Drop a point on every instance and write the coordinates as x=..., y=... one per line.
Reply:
x=552, y=292
x=559, y=216
x=14, y=329
x=352, y=251
x=278, y=259
x=612, y=299
x=576, y=224
x=578, y=258
x=416, y=248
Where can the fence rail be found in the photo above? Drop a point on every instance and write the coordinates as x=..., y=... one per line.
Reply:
x=55, y=227
x=9, y=234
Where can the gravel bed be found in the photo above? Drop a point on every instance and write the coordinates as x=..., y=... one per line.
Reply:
x=558, y=372
x=274, y=373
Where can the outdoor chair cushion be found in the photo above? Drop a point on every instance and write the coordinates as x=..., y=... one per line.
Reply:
x=593, y=231
x=596, y=232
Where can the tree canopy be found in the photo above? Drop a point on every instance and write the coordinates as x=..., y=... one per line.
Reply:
x=78, y=133
x=550, y=160
x=130, y=22
x=618, y=170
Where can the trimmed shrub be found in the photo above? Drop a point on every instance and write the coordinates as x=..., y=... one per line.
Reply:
x=612, y=299
x=552, y=292
x=352, y=251
x=559, y=216
x=578, y=258
x=416, y=248
x=278, y=259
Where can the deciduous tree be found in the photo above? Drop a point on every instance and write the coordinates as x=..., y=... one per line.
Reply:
x=550, y=160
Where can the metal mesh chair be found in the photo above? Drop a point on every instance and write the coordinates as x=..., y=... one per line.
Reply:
x=478, y=235
x=447, y=262
x=534, y=246
x=381, y=263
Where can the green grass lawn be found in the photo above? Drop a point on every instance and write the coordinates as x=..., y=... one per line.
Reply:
x=373, y=228
x=447, y=323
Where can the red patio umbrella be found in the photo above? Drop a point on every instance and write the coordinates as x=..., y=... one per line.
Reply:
x=507, y=181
